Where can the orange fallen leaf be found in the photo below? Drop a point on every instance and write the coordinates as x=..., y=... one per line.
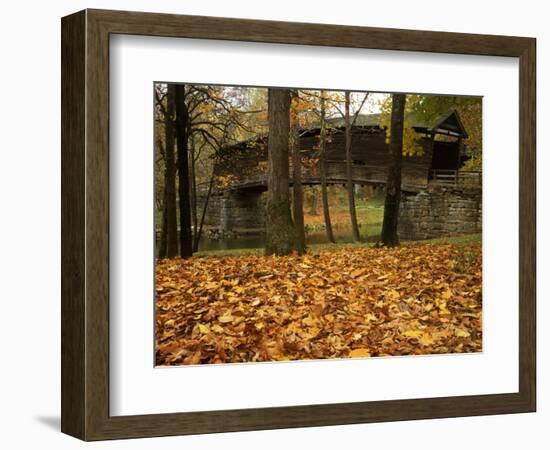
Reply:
x=359, y=353
x=194, y=358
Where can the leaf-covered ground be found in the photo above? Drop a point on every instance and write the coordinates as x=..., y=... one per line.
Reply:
x=355, y=302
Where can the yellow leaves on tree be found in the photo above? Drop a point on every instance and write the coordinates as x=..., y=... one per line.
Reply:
x=348, y=303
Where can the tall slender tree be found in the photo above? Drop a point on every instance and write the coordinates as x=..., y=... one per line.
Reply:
x=280, y=231
x=170, y=206
x=220, y=144
x=205, y=113
x=389, y=236
x=297, y=191
x=350, y=187
x=193, y=185
x=162, y=206
x=182, y=135
x=323, y=169
x=313, y=201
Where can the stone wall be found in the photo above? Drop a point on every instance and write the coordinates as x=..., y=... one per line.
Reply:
x=439, y=212
x=236, y=210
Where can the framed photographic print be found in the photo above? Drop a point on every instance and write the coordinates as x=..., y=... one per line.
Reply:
x=270, y=224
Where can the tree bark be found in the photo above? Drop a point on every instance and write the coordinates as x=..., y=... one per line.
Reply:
x=164, y=225
x=323, y=171
x=390, y=237
x=170, y=206
x=313, y=204
x=182, y=134
x=198, y=231
x=349, y=173
x=298, y=196
x=280, y=231
x=193, y=189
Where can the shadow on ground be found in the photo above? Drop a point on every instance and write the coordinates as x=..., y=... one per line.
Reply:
x=52, y=422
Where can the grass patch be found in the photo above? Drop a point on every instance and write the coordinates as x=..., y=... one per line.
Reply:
x=462, y=240
x=230, y=252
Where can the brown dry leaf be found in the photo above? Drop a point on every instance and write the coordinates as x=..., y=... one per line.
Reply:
x=217, y=329
x=426, y=339
x=226, y=318
x=461, y=333
x=413, y=333
x=203, y=328
x=350, y=302
x=357, y=272
x=194, y=358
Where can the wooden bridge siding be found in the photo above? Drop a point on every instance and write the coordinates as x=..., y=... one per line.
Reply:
x=412, y=179
x=370, y=148
x=241, y=164
x=369, y=174
x=369, y=152
x=416, y=169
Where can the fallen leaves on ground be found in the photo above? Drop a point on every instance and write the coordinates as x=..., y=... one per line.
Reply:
x=347, y=303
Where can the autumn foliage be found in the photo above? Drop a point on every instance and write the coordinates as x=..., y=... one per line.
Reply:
x=354, y=302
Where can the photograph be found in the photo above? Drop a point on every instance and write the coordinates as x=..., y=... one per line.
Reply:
x=306, y=224
x=270, y=221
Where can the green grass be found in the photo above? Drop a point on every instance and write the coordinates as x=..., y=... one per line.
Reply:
x=231, y=252
x=369, y=217
x=371, y=203
x=369, y=213
x=462, y=240
x=465, y=239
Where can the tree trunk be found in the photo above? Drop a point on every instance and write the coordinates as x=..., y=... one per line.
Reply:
x=323, y=171
x=280, y=231
x=313, y=204
x=393, y=186
x=161, y=205
x=198, y=232
x=193, y=193
x=170, y=207
x=182, y=130
x=298, y=196
x=349, y=174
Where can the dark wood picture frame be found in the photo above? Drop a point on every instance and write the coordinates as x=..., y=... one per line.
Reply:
x=85, y=224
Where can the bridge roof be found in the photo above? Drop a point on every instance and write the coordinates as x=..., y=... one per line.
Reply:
x=448, y=123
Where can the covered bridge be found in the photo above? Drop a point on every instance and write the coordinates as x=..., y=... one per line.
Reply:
x=243, y=166
x=241, y=169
